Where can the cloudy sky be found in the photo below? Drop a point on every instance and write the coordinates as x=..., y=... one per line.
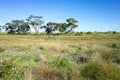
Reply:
x=93, y=15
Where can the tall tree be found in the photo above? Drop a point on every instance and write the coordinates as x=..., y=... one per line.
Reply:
x=72, y=24
x=36, y=22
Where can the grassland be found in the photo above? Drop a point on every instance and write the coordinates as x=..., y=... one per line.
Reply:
x=85, y=57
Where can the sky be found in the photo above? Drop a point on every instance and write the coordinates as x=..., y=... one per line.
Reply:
x=92, y=15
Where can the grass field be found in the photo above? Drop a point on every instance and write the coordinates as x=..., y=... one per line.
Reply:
x=84, y=57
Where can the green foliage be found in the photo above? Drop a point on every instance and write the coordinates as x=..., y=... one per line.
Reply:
x=36, y=22
x=50, y=27
x=115, y=45
x=72, y=24
x=100, y=71
x=114, y=32
x=10, y=71
x=116, y=55
x=80, y=57
x=89, y=32
x=61, y=27
x=78, y=33
x=112, y=55
x=64, y=65
x=17, y=26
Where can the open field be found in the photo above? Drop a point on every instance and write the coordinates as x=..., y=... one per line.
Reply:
x=84, y=57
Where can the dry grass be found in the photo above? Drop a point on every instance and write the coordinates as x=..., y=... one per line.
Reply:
x=102, y=48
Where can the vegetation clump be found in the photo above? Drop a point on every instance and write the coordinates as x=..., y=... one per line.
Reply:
x=100, y=71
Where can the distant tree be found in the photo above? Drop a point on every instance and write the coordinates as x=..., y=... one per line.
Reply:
x=17, y=26
x=0, y=28
x=50, y=27
x=24, y=28
x=61, y=27
x=114, y=32
x=11, y=28
x=72, y=24
x=36, y=22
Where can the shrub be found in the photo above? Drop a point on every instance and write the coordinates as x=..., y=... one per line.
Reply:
x=116, y=53
x=100, y=71
x=111, y=56
x=78, y=33
x=79, y=57
x=10, y=71
x=114, y=32
x=89, y=32
x=64, y=65
x=115, y=45
x=2, y=49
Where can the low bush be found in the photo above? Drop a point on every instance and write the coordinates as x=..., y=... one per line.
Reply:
x=111, y=56
x=115, y=45
x=100, y=71
x=10, y=71
x=64, y=65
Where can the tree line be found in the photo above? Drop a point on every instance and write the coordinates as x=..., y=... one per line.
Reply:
x=37, y=23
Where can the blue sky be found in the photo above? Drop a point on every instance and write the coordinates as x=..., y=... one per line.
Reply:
x=93, y=15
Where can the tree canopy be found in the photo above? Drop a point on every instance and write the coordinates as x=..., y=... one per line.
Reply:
x=37, y=23
x=17, y=26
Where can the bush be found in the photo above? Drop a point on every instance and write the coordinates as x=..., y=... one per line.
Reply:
x=79, y=57
x=64, y=65
x=2, y=49
x=111, y=56
x=100, y=71
x=89, y=32
x=9, y=70
x=116, y=53
x=114, y=32
x=115, y=45
x=78, y=33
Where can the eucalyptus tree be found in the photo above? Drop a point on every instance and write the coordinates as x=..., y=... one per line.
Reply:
x=36, y=22
x=72, y=24
x=17, y=26
x=24, y=28
x=50, y=27
x=61, y=27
